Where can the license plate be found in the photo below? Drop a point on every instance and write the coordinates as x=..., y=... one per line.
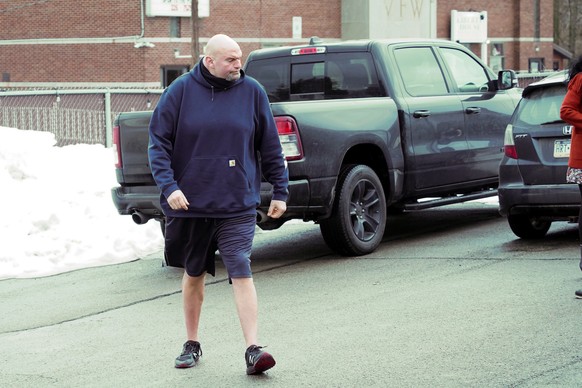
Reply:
x=561, y=148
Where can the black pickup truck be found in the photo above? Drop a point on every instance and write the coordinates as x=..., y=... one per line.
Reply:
x=368, y=128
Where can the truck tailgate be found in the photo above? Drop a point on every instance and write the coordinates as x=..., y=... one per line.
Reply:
x=134, y=168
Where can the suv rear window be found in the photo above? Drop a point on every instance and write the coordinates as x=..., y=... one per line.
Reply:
x=339, y=75
x=541, y=106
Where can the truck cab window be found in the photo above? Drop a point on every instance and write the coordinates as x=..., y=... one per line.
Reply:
x=469, y=75
x=352, y=75
x=420, y=71
x=308, y=80
x=333, y=76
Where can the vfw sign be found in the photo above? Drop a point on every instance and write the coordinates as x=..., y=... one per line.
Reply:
x=176, y=8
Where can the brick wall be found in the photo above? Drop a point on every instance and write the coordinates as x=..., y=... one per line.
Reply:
x=248, y=21
x=272, y=18
x=512, y=23
x=26, y=19
x=121, y=62
x=73, y=63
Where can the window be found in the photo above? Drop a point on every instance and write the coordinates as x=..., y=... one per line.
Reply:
x=497, y=58
x=467, y=73
x=332, y=76
x=420, y=71
x=535, y=64
x=175, y=27
x=308, y=80
x=170, y=73
x=541, y=106
x=273, y=74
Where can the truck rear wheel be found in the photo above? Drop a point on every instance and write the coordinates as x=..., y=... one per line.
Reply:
x=528, y=228
x=358, y=219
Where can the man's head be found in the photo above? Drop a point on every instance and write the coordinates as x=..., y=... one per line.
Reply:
x=223, y=57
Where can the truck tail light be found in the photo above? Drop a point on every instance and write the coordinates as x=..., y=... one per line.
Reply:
x=289, y=137
x=117, y=147
x=508, y=143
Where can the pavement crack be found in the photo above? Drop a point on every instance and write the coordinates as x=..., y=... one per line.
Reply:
x=532, y=378
x=153, y=298
x=93, y=314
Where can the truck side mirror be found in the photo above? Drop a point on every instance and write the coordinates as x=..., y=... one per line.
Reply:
x=506, y=79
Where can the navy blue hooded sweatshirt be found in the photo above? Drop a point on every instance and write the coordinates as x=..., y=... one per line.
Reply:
x=202, y=141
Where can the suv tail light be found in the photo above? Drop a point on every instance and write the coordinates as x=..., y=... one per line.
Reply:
x=117, y=147
x=508, y=143
x=289, y=137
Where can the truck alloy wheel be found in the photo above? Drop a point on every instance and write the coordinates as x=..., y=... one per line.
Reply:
x=358, y=220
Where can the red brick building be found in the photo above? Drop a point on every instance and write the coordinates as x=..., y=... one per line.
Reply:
x=63, y=43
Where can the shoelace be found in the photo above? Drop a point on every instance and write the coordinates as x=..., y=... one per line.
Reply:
x=253, y=352
x=192, y=348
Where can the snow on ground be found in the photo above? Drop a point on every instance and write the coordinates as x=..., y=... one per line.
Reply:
x=57, y=213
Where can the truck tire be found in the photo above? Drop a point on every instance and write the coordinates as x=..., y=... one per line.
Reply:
x=528, y=228
x=358, y=219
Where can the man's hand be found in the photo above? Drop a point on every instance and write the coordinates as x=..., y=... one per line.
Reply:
x=177, y=200
x=277, y=208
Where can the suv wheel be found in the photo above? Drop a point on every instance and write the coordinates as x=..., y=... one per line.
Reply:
x=358, y=220
x=528, y=228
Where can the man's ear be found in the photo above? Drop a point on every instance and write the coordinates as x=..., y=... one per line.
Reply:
x=208, y=62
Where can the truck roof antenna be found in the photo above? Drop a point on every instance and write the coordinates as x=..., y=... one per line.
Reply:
x=315, y=40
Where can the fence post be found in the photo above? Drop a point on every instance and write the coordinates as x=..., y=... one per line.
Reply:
x=108, y=126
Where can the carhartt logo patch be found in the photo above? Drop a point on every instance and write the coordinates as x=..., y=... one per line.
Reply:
x=231, y=163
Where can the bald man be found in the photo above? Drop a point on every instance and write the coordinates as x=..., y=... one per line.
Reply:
x=205, y=134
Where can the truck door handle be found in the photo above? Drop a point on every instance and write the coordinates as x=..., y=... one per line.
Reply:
x=472, y=110
x=421, y=113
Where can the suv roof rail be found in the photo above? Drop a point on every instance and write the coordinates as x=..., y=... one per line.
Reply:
x=315, y=40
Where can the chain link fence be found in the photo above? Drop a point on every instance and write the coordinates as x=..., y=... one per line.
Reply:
x=524, y=79
x=86, y=115
x=73, y=116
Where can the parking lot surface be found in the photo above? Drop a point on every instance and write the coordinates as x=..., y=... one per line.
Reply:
x=450, y=299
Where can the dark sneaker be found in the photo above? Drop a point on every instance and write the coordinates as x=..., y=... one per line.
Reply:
x=257, y=360
x=578, y=294
x=191, y=353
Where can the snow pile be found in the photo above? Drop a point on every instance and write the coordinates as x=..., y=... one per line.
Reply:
x=57, y=212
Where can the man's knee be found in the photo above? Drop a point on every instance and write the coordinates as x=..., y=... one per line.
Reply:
x=243, y=285
x=193, y=282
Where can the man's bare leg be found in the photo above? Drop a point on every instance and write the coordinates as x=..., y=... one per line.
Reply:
x=245, y=297
x=193, y=297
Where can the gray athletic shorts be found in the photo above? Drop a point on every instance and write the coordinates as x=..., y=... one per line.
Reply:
x=191, y=243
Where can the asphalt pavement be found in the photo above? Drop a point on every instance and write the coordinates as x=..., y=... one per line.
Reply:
x=451, y=299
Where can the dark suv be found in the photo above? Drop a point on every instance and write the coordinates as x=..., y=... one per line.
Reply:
x=532, y=175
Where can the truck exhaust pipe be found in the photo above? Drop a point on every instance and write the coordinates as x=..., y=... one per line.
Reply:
x=261, y=216
x=139, y=218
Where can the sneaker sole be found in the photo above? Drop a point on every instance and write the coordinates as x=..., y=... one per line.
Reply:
x=265, y=362
x=184, y=365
